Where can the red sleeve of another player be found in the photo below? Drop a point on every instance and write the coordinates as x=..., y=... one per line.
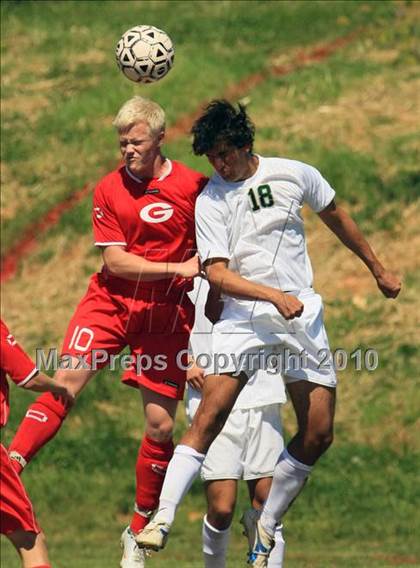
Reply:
x=14, y=361
x=106, y=228
x=198, y=182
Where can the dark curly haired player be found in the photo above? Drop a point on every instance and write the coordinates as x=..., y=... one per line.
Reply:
x=250, y=236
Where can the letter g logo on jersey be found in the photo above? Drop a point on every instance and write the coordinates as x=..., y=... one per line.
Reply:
x=156, y=212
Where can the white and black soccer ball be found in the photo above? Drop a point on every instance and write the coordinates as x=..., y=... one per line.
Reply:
x=145, y=54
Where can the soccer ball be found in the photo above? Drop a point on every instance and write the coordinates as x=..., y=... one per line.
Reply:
x=145, y=54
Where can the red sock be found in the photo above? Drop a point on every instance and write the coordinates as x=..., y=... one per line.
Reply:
x=43, y=566
x=41, y=423
x=152, y=461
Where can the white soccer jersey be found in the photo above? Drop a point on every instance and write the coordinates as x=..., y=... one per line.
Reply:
x=256, y=224
x=263, y=388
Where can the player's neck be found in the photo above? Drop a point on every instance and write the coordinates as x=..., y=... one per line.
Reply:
x=250, y=167
x=161, y=166
x=158, y=169
x=253, y=163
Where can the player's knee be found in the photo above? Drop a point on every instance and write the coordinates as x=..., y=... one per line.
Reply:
x=320, y=440
x=220, y=515
x=325, y=437
x=41, y=541
x=258, y=502
x=160, y=430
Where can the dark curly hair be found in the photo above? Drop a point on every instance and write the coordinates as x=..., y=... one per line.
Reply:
x=222, y=122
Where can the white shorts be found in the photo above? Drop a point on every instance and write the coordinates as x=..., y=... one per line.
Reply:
x=248, y=339
x=248, y=447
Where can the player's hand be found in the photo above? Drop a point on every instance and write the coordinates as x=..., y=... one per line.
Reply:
x=288, y=306
x=67, y=396
x=195, y=376
x=190, y=268
x=388, y=284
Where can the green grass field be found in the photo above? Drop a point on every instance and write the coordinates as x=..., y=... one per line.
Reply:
x=355, y=116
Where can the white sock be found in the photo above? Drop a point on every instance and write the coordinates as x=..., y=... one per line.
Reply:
x=288, y=480
x=180, y=474
x=215, y=543
x=276, y=557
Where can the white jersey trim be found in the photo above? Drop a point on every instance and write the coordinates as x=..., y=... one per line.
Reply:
x=162, y=177
x=106, y=244
x=31, y=375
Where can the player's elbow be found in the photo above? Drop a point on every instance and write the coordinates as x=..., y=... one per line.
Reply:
x=215, y=275
x=114, y=261
x=113, y=268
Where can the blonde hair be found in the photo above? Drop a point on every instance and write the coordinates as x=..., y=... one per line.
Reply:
x=138, y=109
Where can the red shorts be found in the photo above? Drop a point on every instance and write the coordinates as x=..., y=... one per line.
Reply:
x=155, y=324
x=16, y=510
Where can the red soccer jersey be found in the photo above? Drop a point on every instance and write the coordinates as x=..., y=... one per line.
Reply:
x=152, y=218
x=15, y=363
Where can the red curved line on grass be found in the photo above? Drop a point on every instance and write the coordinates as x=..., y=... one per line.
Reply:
x=29, y=238
x=182, y=127
x=301, y=59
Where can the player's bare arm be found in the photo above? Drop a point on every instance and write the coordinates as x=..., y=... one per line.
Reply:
x=346, y=229
x=232, y=284
x=132, y=267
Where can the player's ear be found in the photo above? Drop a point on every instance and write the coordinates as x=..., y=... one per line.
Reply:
x=160, y=137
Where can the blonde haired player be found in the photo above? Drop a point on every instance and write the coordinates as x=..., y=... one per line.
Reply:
x=143, y=223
